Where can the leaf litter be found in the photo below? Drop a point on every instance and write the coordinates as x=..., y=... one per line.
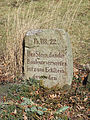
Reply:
x=29, y=100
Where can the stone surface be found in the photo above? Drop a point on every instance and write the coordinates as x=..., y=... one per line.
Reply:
x=88, y=78
x=88, y=82
x=48, y=57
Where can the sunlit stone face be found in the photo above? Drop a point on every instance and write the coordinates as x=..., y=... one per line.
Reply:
x=48, y=57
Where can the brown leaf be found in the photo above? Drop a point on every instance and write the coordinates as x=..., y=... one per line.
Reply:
x=4, y=98
x=75, y=70
x=33, y=87
x=0, y=71
x=68, y=114
x=85, y=99
x=24, y=116
x=37, y=92
x=53, y=96
x=15, y=112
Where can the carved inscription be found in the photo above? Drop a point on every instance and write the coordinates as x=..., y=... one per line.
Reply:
x=48, y=57
x=45, y=41
x=41, y=63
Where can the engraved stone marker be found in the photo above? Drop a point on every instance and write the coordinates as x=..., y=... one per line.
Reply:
x=48, y=57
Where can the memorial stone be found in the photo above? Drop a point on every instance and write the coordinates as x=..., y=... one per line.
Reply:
x=48, y=57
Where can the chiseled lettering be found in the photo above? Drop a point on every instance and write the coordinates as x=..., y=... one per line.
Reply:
x=36, y=41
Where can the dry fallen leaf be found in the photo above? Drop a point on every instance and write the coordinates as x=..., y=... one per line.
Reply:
x=4, y=98
x=88, y=110
x=85, y=99
x=15, y=112
x=53, y=96
x=51, y=116
x=0, y=71
x=24, y=116
x=33, y=87
x=77, y=76
x=75, y=71
x=68, y=114
x=37, y=92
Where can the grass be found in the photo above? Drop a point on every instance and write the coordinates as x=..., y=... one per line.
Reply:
x=18, y=16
